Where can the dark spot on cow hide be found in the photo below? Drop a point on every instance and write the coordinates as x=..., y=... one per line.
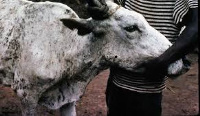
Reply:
x=3, y=73
x=61, y=92
x=67, y=11
x=73, y=15
x=22, y=80
x=24, y=94
x=59, y=97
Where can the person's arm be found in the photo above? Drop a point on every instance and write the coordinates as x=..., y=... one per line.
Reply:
x=186, y=42
x=97, y=9
x=156, y=68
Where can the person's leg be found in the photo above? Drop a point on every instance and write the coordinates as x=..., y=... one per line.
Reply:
x=68, y=109
x=128, y=103
x=116, y=100
x=122, y=102
x=146, y=104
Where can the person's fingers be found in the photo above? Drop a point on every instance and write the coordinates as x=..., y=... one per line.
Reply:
x=95, y=8
x=98, y=9
x=103, y=2
x=98, y=3
x=142, y=65
x=94, y=3
x=102, y=9
x=90, y=2
x=105, y=8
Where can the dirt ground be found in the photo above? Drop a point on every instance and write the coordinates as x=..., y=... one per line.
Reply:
x=180, y=98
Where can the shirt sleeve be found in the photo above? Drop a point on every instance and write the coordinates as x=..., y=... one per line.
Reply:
x=181, y=8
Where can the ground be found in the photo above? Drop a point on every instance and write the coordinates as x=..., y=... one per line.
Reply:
x=179, y=98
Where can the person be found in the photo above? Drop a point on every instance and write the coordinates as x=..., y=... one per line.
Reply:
x=140, y=93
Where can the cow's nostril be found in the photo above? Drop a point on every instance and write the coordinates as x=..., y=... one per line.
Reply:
x=115, y=56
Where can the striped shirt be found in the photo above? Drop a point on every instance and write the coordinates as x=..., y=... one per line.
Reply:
x=165, y=16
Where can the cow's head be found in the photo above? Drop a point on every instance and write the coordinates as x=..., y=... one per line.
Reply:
x=124, y=39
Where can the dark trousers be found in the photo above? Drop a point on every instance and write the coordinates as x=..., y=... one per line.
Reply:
x=122, y=102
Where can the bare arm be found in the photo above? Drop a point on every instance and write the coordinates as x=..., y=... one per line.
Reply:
x=157, y=68
x=186, y=42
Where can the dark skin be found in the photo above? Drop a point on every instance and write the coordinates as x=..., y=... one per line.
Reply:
x=97, y=9
x=156, y=68
x=186, y=42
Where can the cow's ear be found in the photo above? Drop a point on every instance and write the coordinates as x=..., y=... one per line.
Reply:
x=82, y=25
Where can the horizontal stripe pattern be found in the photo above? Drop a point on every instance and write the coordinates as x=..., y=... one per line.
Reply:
x=181, y=8
x=135, y=81
x=163, y=15
x=158, y=13
x=164, y=12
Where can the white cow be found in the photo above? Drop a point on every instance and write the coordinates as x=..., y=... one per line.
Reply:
x=48, y=54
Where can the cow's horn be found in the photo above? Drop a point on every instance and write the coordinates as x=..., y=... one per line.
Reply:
x=99, y=10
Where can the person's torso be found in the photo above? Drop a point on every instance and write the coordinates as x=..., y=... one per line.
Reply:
x=163, y=15
x=158, y=13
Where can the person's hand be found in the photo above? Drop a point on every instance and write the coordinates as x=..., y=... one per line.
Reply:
x=155, y=70
x=97, y=9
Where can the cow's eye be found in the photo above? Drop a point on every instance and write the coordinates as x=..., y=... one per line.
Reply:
x=131, y=28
